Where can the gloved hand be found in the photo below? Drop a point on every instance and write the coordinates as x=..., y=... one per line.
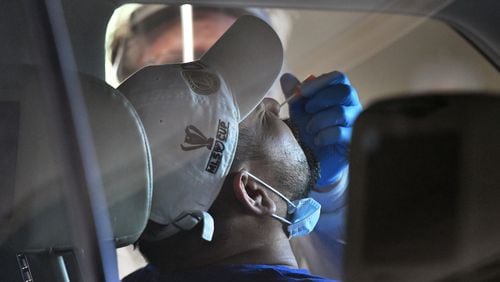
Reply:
x=324, y=115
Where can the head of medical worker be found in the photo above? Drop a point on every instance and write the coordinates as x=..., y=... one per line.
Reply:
x=230, y=178
x=160, y=34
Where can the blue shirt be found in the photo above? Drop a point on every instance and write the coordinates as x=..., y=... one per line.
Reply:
x=223, y=273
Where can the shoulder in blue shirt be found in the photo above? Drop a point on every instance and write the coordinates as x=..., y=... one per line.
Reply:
x=223, y=273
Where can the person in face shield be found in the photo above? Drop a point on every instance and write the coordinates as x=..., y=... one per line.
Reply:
x=153, y=35
x=322, y=121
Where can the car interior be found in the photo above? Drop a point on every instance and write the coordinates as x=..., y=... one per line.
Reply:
x=75, y=165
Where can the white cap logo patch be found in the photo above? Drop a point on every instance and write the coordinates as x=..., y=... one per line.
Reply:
x=199, y=80
x=195, y=139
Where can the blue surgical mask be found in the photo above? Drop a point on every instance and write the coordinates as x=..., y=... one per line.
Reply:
x=302, y=215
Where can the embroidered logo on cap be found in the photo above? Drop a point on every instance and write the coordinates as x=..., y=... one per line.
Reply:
x=195, y=139
x=201, y=82
x=218, y=151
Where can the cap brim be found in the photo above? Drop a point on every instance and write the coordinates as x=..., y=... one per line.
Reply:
x=249, y=57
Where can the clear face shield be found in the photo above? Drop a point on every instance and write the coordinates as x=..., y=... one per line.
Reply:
x=302, y=215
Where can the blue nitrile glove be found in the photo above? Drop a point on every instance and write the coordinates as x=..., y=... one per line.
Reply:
x=324, y=115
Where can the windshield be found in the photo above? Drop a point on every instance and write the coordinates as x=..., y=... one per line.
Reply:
x=76, y=173
x=383, y=54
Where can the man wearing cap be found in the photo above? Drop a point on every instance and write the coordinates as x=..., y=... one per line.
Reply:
x=151, y=28
x=230, y=179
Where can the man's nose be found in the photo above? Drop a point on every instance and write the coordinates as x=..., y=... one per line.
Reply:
x=271, y=105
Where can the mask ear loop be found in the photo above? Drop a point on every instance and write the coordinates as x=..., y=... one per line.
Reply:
x=290, y=206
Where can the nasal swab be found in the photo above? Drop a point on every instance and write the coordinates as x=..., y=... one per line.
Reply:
x=296, y=91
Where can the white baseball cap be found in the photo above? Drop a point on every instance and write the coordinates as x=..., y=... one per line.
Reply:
x=191, y=113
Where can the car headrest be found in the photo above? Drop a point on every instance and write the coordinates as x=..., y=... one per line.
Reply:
x=424, y=189
x=32, y=202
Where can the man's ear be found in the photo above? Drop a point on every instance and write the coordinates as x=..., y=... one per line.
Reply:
x=252, y=195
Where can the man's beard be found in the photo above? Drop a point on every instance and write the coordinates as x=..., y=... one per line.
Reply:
x=312, y=162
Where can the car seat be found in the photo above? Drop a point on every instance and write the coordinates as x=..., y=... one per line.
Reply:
x=35, y=216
